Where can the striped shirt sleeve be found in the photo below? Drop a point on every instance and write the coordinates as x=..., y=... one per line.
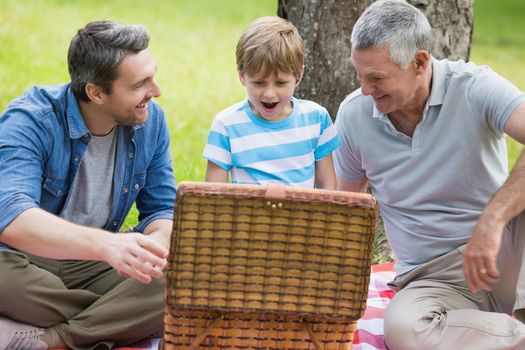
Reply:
x=217, y=149
x=328, y=140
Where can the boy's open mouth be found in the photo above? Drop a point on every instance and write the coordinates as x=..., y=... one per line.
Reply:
x=269, y=105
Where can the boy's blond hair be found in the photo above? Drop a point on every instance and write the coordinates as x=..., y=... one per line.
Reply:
x=270, y=44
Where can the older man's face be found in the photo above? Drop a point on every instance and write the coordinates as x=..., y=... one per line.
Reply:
x=392, y=88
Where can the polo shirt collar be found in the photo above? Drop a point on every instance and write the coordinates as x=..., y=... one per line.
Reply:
x=438, y=89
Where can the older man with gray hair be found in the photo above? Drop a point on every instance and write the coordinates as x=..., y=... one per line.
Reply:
x=428, y=136
x=73, y=160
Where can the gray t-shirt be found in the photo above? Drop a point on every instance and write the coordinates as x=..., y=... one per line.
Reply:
x=89, y=202
x=431, y=187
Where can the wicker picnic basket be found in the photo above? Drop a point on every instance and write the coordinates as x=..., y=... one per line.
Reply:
x=257, y=267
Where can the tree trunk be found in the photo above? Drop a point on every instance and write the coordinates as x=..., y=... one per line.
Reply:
x=326, y=27
x=452, y=24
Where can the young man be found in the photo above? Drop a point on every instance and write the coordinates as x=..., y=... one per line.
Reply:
x=428, y=135
x=73, y=159
x=272, y=137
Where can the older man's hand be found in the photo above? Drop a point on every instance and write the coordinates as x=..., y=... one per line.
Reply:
x=480, y=255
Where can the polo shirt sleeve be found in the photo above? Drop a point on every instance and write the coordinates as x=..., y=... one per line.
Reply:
x=217, y=149
x=24, y=143
x=347, y=160
x=328, y=140
x=494, y=98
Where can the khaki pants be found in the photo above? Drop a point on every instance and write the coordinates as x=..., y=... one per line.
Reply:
x=86, y=302
x=435, y=310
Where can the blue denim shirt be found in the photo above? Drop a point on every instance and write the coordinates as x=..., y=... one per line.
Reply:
x=42, y=141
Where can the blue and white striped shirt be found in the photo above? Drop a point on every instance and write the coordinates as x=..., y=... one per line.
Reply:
x=257, y=151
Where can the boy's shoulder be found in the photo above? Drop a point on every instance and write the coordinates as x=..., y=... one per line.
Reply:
x=234, y=114
x=308, y=106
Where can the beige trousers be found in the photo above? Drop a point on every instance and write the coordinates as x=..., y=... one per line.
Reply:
x=86, y=302
x=435, y=310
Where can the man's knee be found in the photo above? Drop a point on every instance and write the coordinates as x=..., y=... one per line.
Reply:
x=398, y=329
x=152, y=293
x=410, y=325
x=12, y=273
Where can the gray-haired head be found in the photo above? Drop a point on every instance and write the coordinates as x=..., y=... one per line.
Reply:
x=395, y=23
x=96, y=51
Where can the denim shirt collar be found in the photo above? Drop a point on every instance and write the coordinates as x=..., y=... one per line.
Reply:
x=77, y=126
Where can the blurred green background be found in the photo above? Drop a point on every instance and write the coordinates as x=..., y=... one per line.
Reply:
x=193, y=43
x=498, y=42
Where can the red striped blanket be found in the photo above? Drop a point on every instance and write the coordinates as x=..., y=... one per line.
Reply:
x=369, y=334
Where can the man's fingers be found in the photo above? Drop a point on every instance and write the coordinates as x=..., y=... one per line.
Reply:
x=492, y=270
x=488, y=273
x=152, y=246
x=477, y=275
x=473, y=274
x=139, y=257
x=482, y=281
x=129, y=271
x=152, y=267
x=148, y=260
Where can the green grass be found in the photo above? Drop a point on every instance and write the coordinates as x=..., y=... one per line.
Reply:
x=194, y=43
x=498, y=41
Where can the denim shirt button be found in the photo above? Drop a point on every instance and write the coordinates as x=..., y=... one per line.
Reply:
x=114, y=223
x=126, y=190
x=137, y=186
x=130, y=155
x=75, y=159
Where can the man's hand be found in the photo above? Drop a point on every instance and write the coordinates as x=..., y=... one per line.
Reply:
x=479, y=265
x=139, y=256
x=160, y=230
x=136, y=256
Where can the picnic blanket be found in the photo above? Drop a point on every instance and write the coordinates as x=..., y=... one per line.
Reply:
x=369, y=334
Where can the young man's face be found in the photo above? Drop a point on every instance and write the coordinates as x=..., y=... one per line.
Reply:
x=392, y=88
x=270, y=96
x=127, y=103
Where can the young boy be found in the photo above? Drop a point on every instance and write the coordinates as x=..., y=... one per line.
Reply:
x=272, y=137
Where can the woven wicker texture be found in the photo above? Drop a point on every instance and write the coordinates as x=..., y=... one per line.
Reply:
x=265, y=264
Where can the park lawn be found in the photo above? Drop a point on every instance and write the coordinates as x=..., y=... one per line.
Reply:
x=194, y=44
x=192, y=41
x=498, y=41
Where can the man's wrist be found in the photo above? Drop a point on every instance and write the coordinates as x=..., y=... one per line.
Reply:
x=492, y=220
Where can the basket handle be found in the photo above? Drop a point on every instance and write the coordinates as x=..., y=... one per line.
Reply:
x=274, y=193
x=317, y=344
x=274, y=196
x=199, y=338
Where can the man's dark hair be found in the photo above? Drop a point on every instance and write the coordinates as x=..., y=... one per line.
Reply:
x=96, y=51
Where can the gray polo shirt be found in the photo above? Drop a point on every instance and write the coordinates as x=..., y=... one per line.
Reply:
x=431, y=187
